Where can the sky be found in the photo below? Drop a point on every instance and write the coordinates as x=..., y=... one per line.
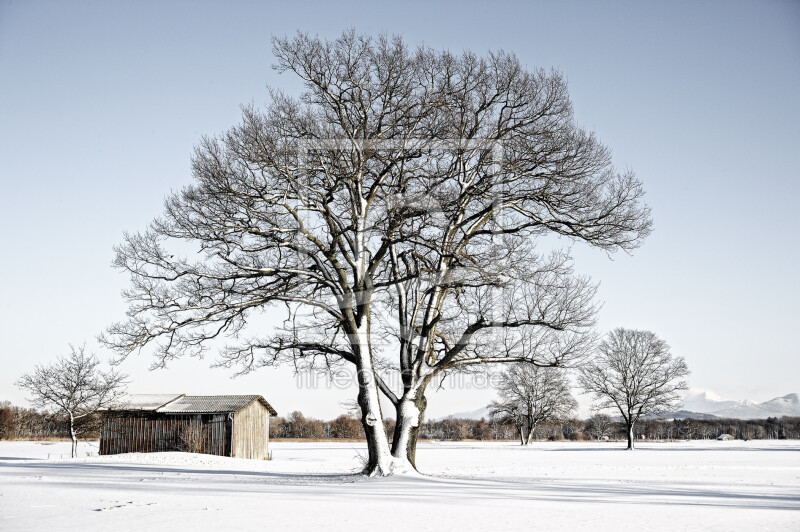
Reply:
x=101, y=104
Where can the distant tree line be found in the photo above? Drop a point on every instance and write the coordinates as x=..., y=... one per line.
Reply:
x=598, y=427
x=296, y=425
x=31, y=424
x=772, y=428
x=18, y=423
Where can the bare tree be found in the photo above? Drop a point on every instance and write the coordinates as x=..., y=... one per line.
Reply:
x=397, y=198
x=635, y=373
x=75, y=385
x=599, y=425
x=529, y=395
x=193, y=438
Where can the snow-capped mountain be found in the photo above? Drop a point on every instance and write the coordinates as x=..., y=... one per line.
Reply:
x=788, y=405
x=706, y=402
x=680, y=414
x=710, y=403
x=698, y=404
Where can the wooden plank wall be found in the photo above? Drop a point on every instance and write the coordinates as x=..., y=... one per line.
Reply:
x=251, y=432
x=125, y=433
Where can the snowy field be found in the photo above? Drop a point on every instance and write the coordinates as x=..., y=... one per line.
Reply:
x=470, y=486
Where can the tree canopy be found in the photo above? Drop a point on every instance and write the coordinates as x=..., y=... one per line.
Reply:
x=399, y=196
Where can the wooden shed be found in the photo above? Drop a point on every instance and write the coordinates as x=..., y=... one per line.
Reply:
x=225, y=425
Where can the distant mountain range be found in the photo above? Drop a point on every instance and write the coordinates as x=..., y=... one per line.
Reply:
x=480, y=413
x=710, y=403
x=679, y=414
x=703, y=405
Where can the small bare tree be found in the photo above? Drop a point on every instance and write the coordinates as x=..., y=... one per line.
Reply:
x=599, y=426
x=635, y=373
x=529, y=395
x=75, y=385
x=192, y=438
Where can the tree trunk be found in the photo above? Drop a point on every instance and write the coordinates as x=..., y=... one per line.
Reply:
x=73, y=436
x=521, y=431
x=630, y=437
x=529, y=439
x=410, y=415
x=379, y=461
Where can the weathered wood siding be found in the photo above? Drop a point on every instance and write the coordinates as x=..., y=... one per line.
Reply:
x=251, y=432
x=143, y=433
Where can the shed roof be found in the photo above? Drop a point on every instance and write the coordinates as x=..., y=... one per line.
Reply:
x=196, y=404
x=149, y=401
x=191, y=404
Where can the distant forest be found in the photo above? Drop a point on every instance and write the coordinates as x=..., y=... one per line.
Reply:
x=596, y=428
x=28, y=423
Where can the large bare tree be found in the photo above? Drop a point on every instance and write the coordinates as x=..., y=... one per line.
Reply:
x=398, y=197
x=634, y=373
x=529, y=395
x=74, y=385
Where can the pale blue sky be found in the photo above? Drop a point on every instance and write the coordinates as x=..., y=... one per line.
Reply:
x=101, y=103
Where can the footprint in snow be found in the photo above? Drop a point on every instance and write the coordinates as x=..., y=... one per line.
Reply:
x=123, y=505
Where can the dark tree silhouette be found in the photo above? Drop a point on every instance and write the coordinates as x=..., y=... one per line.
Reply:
x=529, y=395
x=635, y=374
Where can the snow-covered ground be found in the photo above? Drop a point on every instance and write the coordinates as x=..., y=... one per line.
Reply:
x=470, y=486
